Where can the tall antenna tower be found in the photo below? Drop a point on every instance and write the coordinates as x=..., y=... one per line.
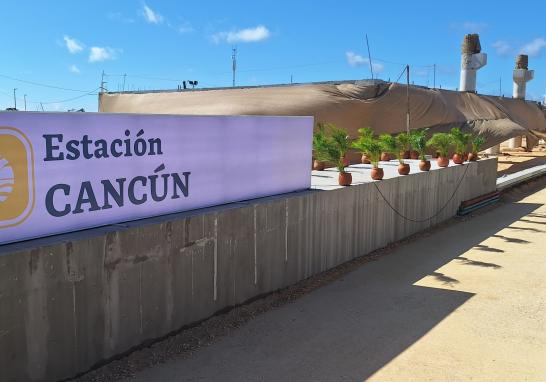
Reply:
x=369, y=56
x=102, y=83
x=234, y=63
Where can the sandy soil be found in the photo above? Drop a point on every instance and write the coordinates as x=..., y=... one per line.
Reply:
x=516, y=160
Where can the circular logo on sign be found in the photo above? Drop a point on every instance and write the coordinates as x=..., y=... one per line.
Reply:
x=6, y=179
x=16, y=177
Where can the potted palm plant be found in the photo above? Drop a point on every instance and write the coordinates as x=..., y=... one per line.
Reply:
x=403, y=140
x=373, y=148
x=319, y=137
x=403, y=152
x=332, y=146
x=441, y=142
x=389, y=146
x=365, y=133
x=477, y=143
x=460, y=141
x=419, y=142
x=414, y=151
x=388, y=142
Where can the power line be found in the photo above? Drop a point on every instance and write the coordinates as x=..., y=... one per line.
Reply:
x=43, y=85
x=26, y=100
x=401, y=73
x=251, y=70
x=92, y=92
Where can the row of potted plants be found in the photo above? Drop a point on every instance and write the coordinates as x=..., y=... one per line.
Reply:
x=330, y=144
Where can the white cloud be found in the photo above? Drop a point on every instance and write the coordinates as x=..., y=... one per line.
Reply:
x=150, y=16
x=354, y=59
x=259, y=33
x=119, y=17
x=97, y=53
x=73, y=45
x=74, y=69
x=502, y=48
x=185, y=28
x=470, y=26
x=534, y=48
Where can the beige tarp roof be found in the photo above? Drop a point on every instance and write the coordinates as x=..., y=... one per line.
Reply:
x=351, y=105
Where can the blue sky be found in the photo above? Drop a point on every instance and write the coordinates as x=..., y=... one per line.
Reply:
x=68, y=44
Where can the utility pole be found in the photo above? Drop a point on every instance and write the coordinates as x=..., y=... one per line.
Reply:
x=291, y=82
x=25, y=98
x=369, y=55
x=14, y=99
x=124, y=76
x=407, y=100
x=434, y=78
x=500, y=86
x=234, y=63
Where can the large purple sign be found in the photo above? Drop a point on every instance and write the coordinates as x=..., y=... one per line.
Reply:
x=63, y=172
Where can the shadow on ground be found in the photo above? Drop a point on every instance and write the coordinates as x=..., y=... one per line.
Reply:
x=354, y=326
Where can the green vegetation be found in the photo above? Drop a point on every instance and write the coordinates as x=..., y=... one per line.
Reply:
x=371, y=147
x=365, y=132
x=404, y=141
x=403, y=144
x=419, y=142
x=331, y=143
x=460, y=140
x=477, y=143
x=441, y=142
x=389, y=143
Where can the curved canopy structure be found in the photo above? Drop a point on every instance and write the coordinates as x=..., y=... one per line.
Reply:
x=351, y=105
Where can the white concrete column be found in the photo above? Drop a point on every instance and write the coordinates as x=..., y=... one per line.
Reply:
x=514, y=143
x=471, y=61
x=521, y=76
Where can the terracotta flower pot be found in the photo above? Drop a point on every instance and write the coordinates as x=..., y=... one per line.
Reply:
x=442, y=161
x=472, y=157
x=346, y=161
x=424, y=165
x=458, y=159
x=345, y=179
x=414, y=154
x=365, y=159
x=377, y=173
x=406, y=154
x=385, y=157
x=318, y=165
x=465, y=157
x=403, y=169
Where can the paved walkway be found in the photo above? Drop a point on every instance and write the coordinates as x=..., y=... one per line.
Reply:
x=467, y=302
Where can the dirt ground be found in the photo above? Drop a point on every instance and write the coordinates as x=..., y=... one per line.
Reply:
x=516, y=160
x=458, y=314
x=465, y=303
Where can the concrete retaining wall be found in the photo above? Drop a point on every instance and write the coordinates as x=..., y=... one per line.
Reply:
x=69, y=301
